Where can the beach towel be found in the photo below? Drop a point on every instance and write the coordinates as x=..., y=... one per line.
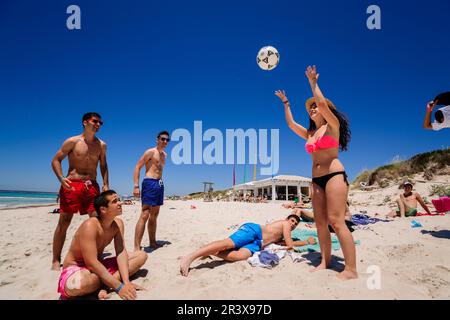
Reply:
x=304, y=234
x=296, y=256
x=421, y=214
x=365, y=219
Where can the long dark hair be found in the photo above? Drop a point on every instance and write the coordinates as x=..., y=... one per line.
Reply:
x=344, y=129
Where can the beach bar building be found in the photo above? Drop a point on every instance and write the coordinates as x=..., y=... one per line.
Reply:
x=281, y=187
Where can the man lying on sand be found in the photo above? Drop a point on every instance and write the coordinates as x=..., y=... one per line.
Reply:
x=84, y=271
x=407, y=203
x=248, y=239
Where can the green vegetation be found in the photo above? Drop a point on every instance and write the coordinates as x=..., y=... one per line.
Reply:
x=428, y=163
x=439, y=190
x=219, y=194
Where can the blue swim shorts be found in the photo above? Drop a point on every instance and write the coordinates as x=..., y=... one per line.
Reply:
x=152, y=192
x=248, y=236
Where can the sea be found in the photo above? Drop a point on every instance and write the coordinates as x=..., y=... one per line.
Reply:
x=11, y=199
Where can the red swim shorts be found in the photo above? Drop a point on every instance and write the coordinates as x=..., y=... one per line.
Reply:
x=81, y=199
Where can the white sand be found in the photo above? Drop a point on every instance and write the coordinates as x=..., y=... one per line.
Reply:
x=413, y=265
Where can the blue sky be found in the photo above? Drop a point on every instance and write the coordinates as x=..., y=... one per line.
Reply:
x=147, y=66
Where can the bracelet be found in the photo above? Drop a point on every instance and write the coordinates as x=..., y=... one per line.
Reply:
x=61, y=178
x=120, y=287
x=287, y=101
x=136, y=186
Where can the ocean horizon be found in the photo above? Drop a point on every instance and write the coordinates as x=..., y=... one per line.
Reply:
x=17, y=198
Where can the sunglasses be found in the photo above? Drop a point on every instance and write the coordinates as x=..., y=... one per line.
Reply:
x=164, y=139
x=94, y=121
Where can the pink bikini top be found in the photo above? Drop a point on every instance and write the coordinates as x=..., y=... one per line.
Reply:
x=325, y=142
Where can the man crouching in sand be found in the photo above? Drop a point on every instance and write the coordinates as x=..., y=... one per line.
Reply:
x=248, y=239
x=84, y=271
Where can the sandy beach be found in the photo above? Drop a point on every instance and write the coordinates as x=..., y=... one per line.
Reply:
x=414, y=262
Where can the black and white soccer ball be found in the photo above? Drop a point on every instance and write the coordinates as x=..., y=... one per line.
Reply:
x=268, y=58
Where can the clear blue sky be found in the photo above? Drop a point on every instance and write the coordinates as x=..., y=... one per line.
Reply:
x=146, y=66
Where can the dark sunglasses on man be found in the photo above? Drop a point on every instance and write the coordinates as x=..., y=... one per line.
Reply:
x=95, y=121
x=164, y=139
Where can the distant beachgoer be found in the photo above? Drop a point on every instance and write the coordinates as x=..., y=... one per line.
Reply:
x=84, y=272
x=152, y=194
x=79, y=188
x=328, y=130
x=407, y=203
x=308, y=215
x=248, y=239
x=442, y=117
x=293, y=204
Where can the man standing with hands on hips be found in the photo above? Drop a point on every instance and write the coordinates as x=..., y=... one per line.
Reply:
x=79, y=188
x=152, y=193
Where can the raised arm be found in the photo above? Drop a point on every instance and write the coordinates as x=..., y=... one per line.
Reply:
x=427, y=120
x=422, y=203
x=294, y=126
x=145, y=157
x=65, y=149
x=104, y=167
x=322, y=106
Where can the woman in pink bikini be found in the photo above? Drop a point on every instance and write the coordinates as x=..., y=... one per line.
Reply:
x=327, y=133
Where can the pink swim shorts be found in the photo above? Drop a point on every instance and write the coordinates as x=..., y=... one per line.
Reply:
x=109, y=263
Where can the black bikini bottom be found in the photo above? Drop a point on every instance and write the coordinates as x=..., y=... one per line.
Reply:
x=323, y=180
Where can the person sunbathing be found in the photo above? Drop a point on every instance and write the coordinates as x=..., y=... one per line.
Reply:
x=84, y=272
x=248, y=239
x=407, y=203
x=293, y=205
x=308, y=216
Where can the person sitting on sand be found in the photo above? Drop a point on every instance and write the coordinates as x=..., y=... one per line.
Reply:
x=407, y=203
x=247, y=240
x=84, y=272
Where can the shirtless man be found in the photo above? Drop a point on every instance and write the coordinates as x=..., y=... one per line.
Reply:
x=79, y=188
x=84, y=271
x=248, y=239
x=442, y=116
x=407, y=203
x=152, y=189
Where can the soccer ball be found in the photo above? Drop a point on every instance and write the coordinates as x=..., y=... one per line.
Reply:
x=268, y=58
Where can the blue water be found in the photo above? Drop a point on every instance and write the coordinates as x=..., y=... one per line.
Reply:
x=24, y=198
